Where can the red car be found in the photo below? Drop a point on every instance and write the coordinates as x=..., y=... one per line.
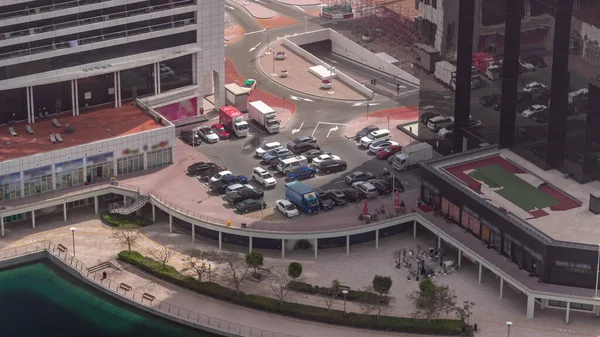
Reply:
x=389, y=151
x=220, y=130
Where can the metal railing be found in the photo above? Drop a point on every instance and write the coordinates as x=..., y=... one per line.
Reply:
x=92, y=20
x=49, y=8
x=97, y=38
x=145, y=299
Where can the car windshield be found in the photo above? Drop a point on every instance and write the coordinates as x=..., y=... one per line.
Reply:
x=289, y=207
x=267, y=176
x=219, y=128
x=208, y=131
x=371, y=136
x=243, y=127
x=273, y=122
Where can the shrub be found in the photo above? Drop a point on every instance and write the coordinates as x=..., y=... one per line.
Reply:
x=352, y=295
x=387, y=323
x=295, y=270
x=112, y=219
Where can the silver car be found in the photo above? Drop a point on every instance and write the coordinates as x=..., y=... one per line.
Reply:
x=366, y=188
x=232, y=189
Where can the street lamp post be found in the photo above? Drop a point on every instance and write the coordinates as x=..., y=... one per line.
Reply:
x=508, y=324
x=209, y=272
x=345, y=292
x=73, y=234
x=597, y=272
x=273, y=52
x=367, y=110
x=268, y=50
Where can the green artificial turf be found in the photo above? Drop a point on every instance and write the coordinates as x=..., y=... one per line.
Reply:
x=513, y=188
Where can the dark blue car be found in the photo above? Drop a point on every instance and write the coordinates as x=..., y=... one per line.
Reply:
x=301, y=173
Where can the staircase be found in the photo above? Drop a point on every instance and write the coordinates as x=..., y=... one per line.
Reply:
x=138, y=204
x=102, y=266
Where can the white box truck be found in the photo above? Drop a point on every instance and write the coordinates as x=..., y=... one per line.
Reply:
x=411, y=155
x=236, y=96
x=445, y=72
x=264, y=115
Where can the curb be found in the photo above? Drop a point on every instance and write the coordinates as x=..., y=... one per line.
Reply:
x=320, y=98
x=304, y=5
x=237, y=5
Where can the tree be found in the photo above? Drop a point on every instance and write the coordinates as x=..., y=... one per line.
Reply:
x=126, y=235
x=254, y=260
x=382, y=285
x=199, y=261
x=295, y=270
x=279, y=283
x=464, y=313
x=431, y=300
x=328, y=295
x=237, y=269
x=397, y=254
x=375, y=305
x=161, y=254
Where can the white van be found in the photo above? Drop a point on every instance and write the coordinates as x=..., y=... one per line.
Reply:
x=289, y=164
x=375, y=136
x=578, y=95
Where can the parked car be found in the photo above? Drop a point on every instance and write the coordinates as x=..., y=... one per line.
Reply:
x=381, y=185
x=426, y=116
x=263, y=177
x=388, y=151
x=287, y=208
x=266, y=147
x=382, y=144
x=358, y=176
x=219, y=129
x=312, y=154
x=191, y=137
x=244, y=193
x=231, y=189
x=525, y=65
x=533, y=86
x=537, y=61
x=199, y=167
x=375, y=136
x=275, y=153
x=250, y=205
x=392, y=180
x=338, y=197
x=207, y=134
x=325, y=200
x=534, y=110
x=303, y=147
x=301, y=173
x=317, y=160
x=353, y=194
x=489, y=100
x=449, y=129
x=208, y=173
x=331, y=166
x=365, y=131
x=220, y=175
x=435, y=124
x=249, y=85
x=302, y=139
x=367, y=189
x=220, y=186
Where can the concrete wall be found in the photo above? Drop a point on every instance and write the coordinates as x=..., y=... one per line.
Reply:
x=310, y=57
x=23, y=259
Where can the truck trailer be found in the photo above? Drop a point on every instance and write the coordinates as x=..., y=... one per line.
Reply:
x=412, y=155
x=264, y=115
x=237, y=96
x=302, y=196
x=445, y=72
x=232, y=119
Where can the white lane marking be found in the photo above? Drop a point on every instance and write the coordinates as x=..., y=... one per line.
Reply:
x=252, y=49
x=298, y=129
x=365, y=104
x=335, y=128
x=329, y=60
x=408, y=92
x=230, y=8
x=300, y=8
x=327, y=123
x=296, y=98
x=254, y=32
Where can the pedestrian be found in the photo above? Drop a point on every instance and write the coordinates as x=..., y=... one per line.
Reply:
x=398, y=89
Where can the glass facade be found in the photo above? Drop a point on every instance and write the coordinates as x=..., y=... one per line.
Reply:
x=96, y=90
x=52, y=98
x=130, y=164
x=69, y=173
x=13, y=105
x=99, y=167
x=160, y=157
x=10, y=186
x=176, y=73
x=137, y=82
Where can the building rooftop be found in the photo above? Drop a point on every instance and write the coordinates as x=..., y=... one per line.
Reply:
x=95, y=125
x=546, y=200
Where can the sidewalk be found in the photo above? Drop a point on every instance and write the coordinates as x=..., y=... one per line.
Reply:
x=257, y=11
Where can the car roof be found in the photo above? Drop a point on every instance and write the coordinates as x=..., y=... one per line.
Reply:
x=272, y=144
x=218, y=125
x=284, y=202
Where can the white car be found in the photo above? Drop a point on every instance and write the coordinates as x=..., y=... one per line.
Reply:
x=266, y=147
x=233, y=188
x=367, y=189
x=533, y=86
x=528, y=67
x=319, y=159
x=220, y=176
x=534, y=110
x=447, y=131
x=382, y=144
x=263, y=177
x=287, y=208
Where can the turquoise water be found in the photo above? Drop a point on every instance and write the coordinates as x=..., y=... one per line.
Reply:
x=40, y=300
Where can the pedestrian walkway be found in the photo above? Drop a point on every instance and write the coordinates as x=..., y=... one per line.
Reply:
x=256, y=10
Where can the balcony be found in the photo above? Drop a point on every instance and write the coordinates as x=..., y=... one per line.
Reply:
x=39, y=32
x=49, y=8
x=61, y=46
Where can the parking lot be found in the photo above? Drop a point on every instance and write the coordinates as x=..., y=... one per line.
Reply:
x=238, y=156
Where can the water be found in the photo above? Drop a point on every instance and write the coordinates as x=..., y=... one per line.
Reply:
x=40, y=300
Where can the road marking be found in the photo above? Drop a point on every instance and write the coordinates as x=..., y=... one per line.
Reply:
x=365, y=104
x=254, y=32
x=407, y=92
x=300, y=8
x=252, y=49
x=230, y=8
x=296, y=98
x=335, y=128
x=327, y=123
x=298, y=129
x=428, y=107
x=330, y=60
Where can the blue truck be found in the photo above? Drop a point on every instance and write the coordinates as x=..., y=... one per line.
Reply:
x=302, y=196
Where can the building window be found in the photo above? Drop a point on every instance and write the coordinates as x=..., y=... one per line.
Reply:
x=563, y=304
x=451, y=209
x=470, y=222
x=68, y=179
x=99, y=171
x=10, y=191
x=130, y=164
x=38, y=185
x=160, y=157
x=13, y=218
x=496, y=240
x=507, y=248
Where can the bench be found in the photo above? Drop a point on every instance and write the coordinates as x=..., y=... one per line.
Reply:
x=56, y=123
x=52, y=138
x=125, y=287
x=58, y=137
x=12, y=131
x=61, y=248
x=146, y=296
x=29, y=129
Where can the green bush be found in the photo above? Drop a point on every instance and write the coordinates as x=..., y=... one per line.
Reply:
x=388, y=323
x=112, y=219
x=352, y=295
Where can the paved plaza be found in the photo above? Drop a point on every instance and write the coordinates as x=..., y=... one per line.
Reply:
x=94, y=245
